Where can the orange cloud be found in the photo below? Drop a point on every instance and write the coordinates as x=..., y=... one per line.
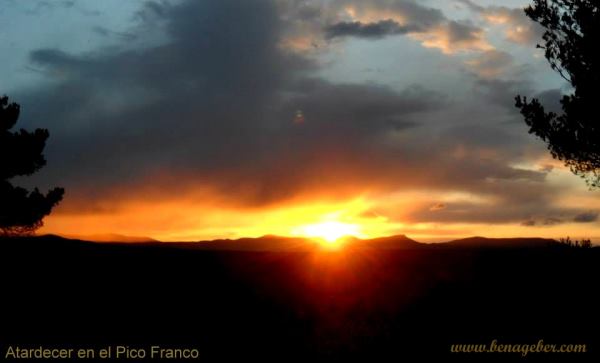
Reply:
x=453, y=37
x=517, y=27
x=433, y=31
x=181, y=220
x=187, y=221
x=300, y=43
x=490, y=64
x=367, y=14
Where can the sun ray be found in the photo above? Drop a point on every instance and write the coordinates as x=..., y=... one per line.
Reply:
x=330, y=231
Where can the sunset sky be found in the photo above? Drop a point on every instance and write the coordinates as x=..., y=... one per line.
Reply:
x=192, y=120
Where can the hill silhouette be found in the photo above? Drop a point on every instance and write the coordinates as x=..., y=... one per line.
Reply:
x=291, y=244
x=296, y=244
x=110, y=237
x=393, y=299
x=483, y=242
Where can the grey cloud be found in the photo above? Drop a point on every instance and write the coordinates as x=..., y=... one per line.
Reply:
x=551, y=100
x=57, y=59
x=577, y=217
x=521, y=29
x=458, y=32
x=216, y=103
x=42, y=6
x=376, y=30
x=503, y=92
x=586, y=217
x=39, y=8
x=551, y=221
x=504, y=210
x=471, y=5
x=152, y=9
x=491, y=64
x=104, y=32
x=214, y=106
x=415, y=12
x=100, y=30
x=417, y=19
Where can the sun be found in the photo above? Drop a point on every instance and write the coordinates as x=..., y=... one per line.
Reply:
x=330, y=231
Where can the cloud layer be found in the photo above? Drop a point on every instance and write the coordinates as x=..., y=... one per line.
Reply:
x=222, y=110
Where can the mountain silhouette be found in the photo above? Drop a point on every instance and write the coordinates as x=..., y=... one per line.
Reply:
x=294, y=244
x=391, y=242
x=483, y=242
x=381, y=299
x=110, y=237
x=264, y=243
x=275, y=243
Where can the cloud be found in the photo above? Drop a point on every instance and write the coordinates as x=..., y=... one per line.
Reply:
x=586, y=217
x=491, y=63
x=207, y=114
x=452, y=37
x=376, y=19
x=502, y=92
x=437, y=206
x=551, y=100
x=575, y=216
x=104, y=32
x=212, y=107
x=375, y=30
x=551, y=221
x=43, y=7
x=518, y=28
x=406, y=12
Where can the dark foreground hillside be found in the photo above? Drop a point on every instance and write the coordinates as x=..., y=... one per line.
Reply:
x=371, y=305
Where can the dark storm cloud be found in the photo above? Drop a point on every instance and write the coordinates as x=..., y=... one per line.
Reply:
x=577, y=217
x=361, y=109
x=472, y=212
x=507, y=198
x=58, y=60
x=150, y=104
x=586, y=217
x=216, y=104
x=504, y=210
x=375, y=30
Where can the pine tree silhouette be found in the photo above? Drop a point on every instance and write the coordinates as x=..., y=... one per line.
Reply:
x=571, y=47
x=21, y=211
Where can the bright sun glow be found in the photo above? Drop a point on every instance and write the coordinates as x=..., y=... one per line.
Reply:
x=329, y=231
